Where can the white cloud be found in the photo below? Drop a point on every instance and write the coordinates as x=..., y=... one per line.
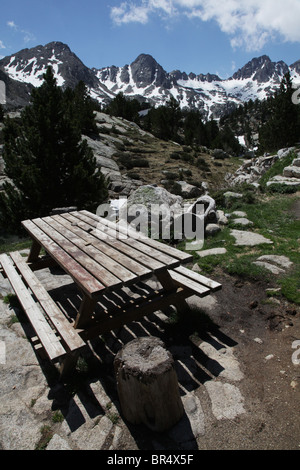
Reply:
x=2, y=45
x=27, y=35
x=248, y=23
x=129, y=12
x=11, y=24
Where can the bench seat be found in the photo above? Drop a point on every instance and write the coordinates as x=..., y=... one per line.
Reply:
x=59, y=339
x=193, y=281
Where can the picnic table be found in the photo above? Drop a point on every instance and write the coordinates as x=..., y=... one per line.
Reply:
x=103, y=258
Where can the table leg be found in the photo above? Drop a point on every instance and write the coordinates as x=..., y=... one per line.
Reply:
x=34, y=252
x=68, y=364
x=168, y=284
x=85, y=311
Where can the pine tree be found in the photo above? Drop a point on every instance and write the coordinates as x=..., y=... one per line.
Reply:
x=282, y=129
x=194, y=129
x=48, y=162
x=80, y=108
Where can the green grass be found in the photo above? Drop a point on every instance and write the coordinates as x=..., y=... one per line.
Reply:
x=14, y=244
x=272, y=218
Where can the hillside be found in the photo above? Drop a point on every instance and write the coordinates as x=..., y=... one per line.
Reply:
x=145, y=158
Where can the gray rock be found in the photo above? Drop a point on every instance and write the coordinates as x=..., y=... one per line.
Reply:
x=189, y=191
x=244, y=238
x=58, y=443
x=285, y=151
x=238, y=214
x=292, y=171
x=283, y=180
x=207, y=304
x=270, y=267
x=225, y=358
x=242, y=221
x=196, y=268
x=221, y=217
x=282, y=261
x=226, y=399
x=212, y=252
x=296, y=162
x=152, y=194
x=212, y=229
x=192, y=425
x=152, y=203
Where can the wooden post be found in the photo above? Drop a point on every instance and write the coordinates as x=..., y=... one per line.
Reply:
x=68, y=364
x=85, y=311
x=147, y=384
x=168, y=284
x=34, y=252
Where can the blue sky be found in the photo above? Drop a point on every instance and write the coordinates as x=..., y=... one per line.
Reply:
x=200, y=36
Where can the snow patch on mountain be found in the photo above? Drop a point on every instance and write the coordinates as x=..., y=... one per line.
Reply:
x=146, y=80
x=33, y=71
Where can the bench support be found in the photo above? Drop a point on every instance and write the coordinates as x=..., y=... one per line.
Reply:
x=168, y=284
x=68, y=363
x=86, y=309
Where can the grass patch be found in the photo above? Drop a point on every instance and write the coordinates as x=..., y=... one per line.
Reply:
x=14, y=244
x=290, y=285
x=57, y=417
x=12, y=301
x=272, y=217
x=46, y=436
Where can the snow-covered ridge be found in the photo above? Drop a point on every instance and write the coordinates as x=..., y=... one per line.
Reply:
x=145, y=79
x=33, y=70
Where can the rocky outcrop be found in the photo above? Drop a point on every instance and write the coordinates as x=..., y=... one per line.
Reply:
x=253, y=169
x=290, y=176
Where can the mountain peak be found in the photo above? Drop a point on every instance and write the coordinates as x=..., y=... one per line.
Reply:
x=146, y=71
x=261, y=69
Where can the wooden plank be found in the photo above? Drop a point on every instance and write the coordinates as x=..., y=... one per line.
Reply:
x=45, y=333
x=107, y=247
x=81, y=276
x=100, y=265
x=77, y=254
x=162, y=247
x=213, y=285
x=121, y=245
x=57, y=318
x=108, y=258
x=189, y=283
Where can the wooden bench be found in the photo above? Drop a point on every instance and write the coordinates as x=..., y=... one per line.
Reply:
x=196, y=283
x=59, y=339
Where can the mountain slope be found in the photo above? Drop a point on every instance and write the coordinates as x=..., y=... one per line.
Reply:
x=28, y=66
x=146, y=80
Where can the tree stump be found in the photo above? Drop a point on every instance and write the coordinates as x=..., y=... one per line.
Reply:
x=147, y=384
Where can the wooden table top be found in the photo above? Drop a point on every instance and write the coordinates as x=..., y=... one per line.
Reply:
x=87, y=248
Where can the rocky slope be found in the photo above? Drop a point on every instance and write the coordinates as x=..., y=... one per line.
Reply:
x=130, y=157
